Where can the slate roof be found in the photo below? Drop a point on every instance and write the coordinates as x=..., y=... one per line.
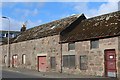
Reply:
x=107, y=25
x=49, y=29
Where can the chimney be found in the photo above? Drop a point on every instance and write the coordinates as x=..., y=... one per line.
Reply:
x=23, y=28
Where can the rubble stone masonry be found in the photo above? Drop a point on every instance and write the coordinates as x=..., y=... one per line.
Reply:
x=95, y=56
x=50, y=46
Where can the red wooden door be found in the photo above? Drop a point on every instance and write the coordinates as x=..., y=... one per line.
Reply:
x=110, y=63
x=42, y=64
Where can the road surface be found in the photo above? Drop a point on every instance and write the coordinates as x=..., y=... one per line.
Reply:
x=16, y=75
x=11, y=74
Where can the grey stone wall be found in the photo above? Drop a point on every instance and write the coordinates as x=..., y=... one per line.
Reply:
x=48, y=46
x=95, y=56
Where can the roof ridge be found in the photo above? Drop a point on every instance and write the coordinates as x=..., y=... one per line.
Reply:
x=104, y=14
x=76, y=15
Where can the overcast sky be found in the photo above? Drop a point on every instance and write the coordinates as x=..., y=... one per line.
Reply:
x=37, y=13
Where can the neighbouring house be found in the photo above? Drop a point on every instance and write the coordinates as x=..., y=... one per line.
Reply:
x=38, y=48
x=93, y=46
x=74, y=45
x=4, y=35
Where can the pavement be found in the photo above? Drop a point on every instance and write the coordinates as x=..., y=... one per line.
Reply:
x=45, y=74
x=53, y=74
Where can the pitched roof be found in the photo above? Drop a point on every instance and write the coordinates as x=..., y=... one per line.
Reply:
x=97, y=27
x=49, y=29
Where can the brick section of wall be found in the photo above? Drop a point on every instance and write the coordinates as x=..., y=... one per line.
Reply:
x=95, y=56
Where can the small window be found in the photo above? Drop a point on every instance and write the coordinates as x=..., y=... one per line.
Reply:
x=53, y=62
x=0, y=35
x=71, y=46
x=94, y=44
x=83, y=62
x=23, y=59
x=13, y=35
x=5, y=59
x=69, y=61
x=3, y=35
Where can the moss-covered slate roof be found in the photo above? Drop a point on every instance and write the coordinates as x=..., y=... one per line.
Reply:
x=49, y=29
x=97, y=27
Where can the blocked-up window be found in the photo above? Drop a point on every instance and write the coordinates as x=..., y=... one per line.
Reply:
x=23, y=59
x=5, y=59
x=94, y=44
x=72, y=61
x=69, y=61
x=53, y=62
x=65, y=60
x=71, y=46
x=83, y=62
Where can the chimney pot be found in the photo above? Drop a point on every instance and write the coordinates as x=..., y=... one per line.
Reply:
x=23, y=28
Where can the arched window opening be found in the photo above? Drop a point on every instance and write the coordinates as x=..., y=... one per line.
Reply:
x=23, y=59
x=5, y=59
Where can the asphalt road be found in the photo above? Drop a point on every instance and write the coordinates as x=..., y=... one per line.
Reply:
x=10, y=74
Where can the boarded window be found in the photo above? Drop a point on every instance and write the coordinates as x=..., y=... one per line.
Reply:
x=72, y=61
x=65, y=61
x=83, y=62
x=94, y=44
x=53, y=62
x=69, y=61
x=71, y=46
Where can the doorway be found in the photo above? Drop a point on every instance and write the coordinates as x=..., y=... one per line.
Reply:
x=42, y=63
x=110, y=63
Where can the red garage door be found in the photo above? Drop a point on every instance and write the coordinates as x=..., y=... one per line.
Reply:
x=110, y=63
x=42, y=64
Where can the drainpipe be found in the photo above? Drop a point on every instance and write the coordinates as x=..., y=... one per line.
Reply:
x=61, y=55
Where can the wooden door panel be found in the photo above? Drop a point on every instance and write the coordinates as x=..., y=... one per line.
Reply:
x=42, y=63
x=110, y=63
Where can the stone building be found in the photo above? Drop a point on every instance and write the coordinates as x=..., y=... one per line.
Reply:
x=38, y=48
x=93, y=47
x=74, y=45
